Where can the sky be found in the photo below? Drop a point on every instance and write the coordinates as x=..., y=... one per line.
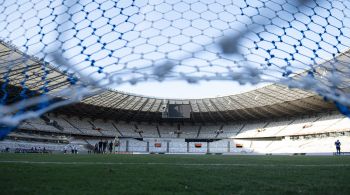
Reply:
x=184, y=90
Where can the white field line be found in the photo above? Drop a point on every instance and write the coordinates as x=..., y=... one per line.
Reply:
x=173, y=164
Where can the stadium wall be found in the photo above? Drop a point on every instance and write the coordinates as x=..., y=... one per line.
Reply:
x=323, y=145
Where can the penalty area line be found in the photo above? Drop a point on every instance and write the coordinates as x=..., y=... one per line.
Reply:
x=174, y=164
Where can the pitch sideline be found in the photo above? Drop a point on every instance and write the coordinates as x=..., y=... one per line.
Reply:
x=173, y=164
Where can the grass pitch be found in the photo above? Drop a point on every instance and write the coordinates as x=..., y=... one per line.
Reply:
x=173, y=174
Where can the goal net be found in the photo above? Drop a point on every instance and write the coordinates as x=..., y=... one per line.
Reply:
x=56, y=52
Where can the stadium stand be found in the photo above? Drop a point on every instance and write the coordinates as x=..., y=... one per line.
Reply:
x=208, y=132
x=284, y=135
x=148, y=131
x=167, y=131
x=127, y=130
x=189, y=130
x=231, y=130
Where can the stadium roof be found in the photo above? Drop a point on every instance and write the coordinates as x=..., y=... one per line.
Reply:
x=270, y=101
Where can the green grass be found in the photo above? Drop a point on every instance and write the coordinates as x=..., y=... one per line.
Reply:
x=173, y=174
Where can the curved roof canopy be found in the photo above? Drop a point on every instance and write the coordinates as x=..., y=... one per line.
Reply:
x=270, y=101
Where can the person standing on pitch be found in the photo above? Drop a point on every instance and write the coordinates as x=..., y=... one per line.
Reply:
x=105, y=143
x=337, y=146
x=110, y=147
x=100, y=146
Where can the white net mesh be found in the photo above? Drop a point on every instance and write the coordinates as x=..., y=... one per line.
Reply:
x=105, y=43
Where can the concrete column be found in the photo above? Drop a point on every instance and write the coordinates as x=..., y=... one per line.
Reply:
x=228, y=146
x=167, y=146
x=127, y=146
x=208, y=147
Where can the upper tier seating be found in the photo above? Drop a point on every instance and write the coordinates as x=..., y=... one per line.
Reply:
x=280, y=128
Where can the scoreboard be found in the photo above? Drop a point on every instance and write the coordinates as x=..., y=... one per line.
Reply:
x=177, y=111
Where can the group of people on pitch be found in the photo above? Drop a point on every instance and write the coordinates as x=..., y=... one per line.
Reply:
x=73, y=149
x=102, y=146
